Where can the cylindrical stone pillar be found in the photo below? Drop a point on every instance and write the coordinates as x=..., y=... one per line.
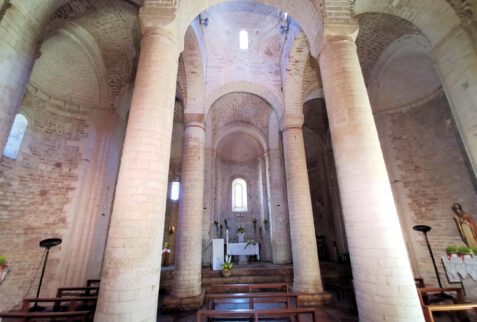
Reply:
x=306, y=270
x=382, y=275
x=188, y=256
x=132, y=264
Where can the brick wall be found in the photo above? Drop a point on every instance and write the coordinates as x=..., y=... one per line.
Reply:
x=36, y=190
x=428, y=173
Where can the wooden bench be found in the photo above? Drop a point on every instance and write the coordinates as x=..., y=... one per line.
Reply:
x=78, y=291
x=458, y=305
x=242, y=298
x=250, y=288
x=425, y=294
x=429, y=309
x=71, y=303
x=256, y=315
x=93, y=283
x=45, y=316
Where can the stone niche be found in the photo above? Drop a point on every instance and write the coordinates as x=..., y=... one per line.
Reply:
x=240, y=155
x=237, y=146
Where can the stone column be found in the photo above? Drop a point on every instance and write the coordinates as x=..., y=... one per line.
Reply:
x=306, y=270
x=132, y=265
x=188, y=258
x=382, y=274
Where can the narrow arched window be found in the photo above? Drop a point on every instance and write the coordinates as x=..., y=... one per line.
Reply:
x=15, y=137
x=239, y=195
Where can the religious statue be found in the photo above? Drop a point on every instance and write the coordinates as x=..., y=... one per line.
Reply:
x=466, y=224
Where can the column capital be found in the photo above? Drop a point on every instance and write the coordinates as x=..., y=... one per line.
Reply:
x=160, y=22
x=338, y=34
x=194, y=120
x=293, y=121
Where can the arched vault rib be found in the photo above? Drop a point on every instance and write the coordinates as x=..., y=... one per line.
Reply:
x=306, y=13
x=194, y=74
x=246, y=87
x=295, y=72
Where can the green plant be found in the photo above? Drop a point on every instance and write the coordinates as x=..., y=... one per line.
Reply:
x=474, y=250
x=216, y=222
x=221, y=226
x=227, y=265
x=265, y=221
x=3, y=260
x=254, y=220
x=451, y=249
x=463, y=250
x=260, y=228
x=240, y=230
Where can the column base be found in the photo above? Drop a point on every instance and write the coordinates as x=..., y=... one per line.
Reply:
x=307, y=300
x=172, y=303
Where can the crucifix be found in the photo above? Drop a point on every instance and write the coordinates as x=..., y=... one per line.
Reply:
x=240, y=218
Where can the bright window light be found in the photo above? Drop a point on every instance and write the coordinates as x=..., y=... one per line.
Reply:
x=243, y=39
x=15, y=137
x=175, y=190
x=239, y=195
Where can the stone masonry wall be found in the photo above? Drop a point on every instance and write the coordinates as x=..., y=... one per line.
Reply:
x=36, y=191
x=428, y=173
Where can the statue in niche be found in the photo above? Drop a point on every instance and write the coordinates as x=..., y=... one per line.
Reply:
x=466, y=225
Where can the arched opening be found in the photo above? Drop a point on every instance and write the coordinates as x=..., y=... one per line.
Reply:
x=15, y=138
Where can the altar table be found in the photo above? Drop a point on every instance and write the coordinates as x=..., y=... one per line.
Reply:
x=240, y=249
x=465, y=271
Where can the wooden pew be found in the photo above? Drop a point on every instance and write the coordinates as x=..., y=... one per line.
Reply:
x=78, y=291
x=459, y=305
x=45, y=316
x=255, y=315
x=93, y=283
x=236, y=298
x=250, y=288
x=425, y=293
x=428, y=309
x=70, y=303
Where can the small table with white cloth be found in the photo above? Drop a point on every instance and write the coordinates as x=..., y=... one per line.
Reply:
x=241, y=250
x=464, y=271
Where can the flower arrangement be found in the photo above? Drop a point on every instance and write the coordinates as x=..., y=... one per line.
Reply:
x=240, y=230
x=227, y=265
x=250, y=242
x=254, y=220
x=216, y=222
x=265, y=221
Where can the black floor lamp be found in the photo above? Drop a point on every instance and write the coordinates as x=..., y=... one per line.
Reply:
x=47, y=244
x=440, y=296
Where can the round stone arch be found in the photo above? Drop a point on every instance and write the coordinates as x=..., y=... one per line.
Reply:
x=306, y=13
x=418, y=15
x=242, y=127
x=246, y=87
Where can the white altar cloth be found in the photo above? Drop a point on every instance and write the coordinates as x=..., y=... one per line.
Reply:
x=465, y=271
x=239, y=249
x=456, y=267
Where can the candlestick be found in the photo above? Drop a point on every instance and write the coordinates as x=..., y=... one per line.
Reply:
x=227, y=236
